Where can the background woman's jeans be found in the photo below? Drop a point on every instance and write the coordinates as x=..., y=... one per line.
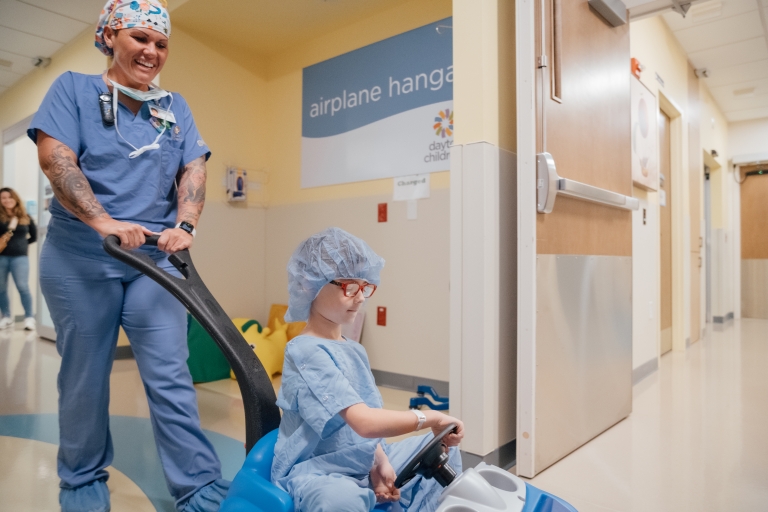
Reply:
x=19, y=267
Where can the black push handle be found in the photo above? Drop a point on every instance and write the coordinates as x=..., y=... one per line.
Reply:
x=261, y=412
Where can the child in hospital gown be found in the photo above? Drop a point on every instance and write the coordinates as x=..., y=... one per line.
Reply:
x=329, y=396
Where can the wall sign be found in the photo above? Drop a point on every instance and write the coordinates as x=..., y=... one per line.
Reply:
x=645, y=138
x=381, y=111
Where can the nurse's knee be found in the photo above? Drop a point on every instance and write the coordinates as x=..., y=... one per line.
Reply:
x=335, y=493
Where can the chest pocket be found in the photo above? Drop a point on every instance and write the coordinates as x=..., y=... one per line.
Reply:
x=170, y=162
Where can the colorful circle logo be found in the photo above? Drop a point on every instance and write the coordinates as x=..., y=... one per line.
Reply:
x=444, y=123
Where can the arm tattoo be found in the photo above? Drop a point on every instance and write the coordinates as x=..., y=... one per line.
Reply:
x=70, y=185
x=192, y=191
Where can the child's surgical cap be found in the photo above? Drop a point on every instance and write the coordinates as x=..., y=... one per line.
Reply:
x=330, y=254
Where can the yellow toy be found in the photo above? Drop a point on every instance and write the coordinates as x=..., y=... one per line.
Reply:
x=268, y=346
x=277, y=314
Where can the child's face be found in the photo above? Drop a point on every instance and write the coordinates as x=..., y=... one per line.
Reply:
x=333, y=305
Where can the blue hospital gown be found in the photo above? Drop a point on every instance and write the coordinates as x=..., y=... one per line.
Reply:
x=319, y=460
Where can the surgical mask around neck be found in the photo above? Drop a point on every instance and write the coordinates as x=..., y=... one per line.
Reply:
x=152, y=94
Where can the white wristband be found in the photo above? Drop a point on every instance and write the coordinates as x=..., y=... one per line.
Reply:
x=421, y=416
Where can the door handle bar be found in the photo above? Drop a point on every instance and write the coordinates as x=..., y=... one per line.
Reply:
x=549, y=185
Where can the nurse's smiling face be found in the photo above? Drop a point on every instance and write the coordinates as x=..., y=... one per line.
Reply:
x=140, y=54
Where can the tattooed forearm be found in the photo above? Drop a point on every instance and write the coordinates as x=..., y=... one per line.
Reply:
x=192, y=191
x=69, y=184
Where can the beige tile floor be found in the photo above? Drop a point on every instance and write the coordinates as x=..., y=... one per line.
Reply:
x=697, y=439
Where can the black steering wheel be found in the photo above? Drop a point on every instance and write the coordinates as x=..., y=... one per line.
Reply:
x=430, y=462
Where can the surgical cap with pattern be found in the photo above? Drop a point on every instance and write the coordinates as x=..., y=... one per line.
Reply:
x=330, y=254
x=119, y=14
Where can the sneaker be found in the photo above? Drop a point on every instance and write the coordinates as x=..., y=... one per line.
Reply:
x=6, y=322
x=29, y=324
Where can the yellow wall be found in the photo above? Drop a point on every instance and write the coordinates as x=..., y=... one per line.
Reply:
x=284, y=72
x=23, y=99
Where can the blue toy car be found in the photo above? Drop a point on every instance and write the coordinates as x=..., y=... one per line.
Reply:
x=481, y=489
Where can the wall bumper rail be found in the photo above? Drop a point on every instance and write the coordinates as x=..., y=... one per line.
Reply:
x=549, y=185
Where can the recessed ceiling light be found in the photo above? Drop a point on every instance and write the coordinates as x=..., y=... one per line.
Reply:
x=5, y=63
x=747, y=91
x=706, y=10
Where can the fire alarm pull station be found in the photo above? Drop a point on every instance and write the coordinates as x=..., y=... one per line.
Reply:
x=381, y=315
x=382, y=212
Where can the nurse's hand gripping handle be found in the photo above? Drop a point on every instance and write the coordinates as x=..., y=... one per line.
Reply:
x=261, y=413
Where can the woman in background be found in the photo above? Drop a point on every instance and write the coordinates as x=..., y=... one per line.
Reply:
x=14, y=259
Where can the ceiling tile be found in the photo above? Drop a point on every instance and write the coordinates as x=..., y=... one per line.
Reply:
x=38, y=22
x=729, y=8
x=729, y=103
x=719, y=33
x=737, y=74
x=13, y=41
x=7, y=78
x=19, y=64
x=751, y=50
x=744, y=115
x=86, y=11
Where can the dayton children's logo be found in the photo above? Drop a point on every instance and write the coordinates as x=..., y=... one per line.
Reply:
x=444, y=123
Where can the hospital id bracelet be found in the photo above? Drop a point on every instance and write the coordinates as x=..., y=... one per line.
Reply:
x=421, y=416
x=186, y=226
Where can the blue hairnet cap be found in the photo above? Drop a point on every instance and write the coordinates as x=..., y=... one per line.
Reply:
x=330, y=254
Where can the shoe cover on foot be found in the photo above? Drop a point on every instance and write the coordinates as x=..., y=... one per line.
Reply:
x=209, y=498
x=93, y=497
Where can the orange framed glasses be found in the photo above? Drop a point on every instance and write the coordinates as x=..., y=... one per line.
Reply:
x=351, y=289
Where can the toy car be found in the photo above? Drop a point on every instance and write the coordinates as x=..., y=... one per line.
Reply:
x=484, y=488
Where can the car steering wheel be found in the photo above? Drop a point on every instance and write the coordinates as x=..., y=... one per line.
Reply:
x=430, y=462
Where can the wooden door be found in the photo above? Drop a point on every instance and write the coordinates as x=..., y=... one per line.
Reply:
x=665, y=199
x=583, y=344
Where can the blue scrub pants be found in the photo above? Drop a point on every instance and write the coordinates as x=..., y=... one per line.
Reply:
x=18, y=267
x=89, y=299
x=337, y=493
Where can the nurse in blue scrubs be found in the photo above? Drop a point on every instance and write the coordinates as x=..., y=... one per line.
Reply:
x=124, y=158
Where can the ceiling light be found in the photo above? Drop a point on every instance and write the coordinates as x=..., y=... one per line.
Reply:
x=706, y=10
x=748, y=91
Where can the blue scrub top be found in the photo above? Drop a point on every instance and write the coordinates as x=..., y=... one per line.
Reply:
x=139, y=190
x=321, y=378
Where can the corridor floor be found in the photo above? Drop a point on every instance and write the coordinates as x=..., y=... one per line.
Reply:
x=696, y=439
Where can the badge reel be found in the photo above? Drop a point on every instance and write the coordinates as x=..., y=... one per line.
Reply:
x=105, y=107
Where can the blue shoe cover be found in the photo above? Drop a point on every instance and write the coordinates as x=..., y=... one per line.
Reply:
x=208, y=498
x=92, y=497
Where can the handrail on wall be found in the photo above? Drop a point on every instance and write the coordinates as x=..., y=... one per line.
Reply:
x=549, y=184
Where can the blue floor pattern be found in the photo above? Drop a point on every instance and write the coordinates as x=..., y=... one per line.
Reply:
x=135, y=453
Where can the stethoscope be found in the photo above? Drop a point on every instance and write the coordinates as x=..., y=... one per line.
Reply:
x=108, y=109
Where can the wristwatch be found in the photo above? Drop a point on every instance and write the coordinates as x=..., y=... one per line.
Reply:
x=186, y=226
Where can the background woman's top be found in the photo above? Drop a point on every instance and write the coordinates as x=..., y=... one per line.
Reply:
x=139, y=190
x=23, y=235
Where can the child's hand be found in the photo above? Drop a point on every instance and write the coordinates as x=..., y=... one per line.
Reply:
x=440, y=422
x=383, y=482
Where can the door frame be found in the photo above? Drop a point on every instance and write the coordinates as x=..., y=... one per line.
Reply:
x=525, y=34
x=681, y=287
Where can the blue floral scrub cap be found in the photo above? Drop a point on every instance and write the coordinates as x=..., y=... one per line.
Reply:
x=119, y=14
x=330, y=254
